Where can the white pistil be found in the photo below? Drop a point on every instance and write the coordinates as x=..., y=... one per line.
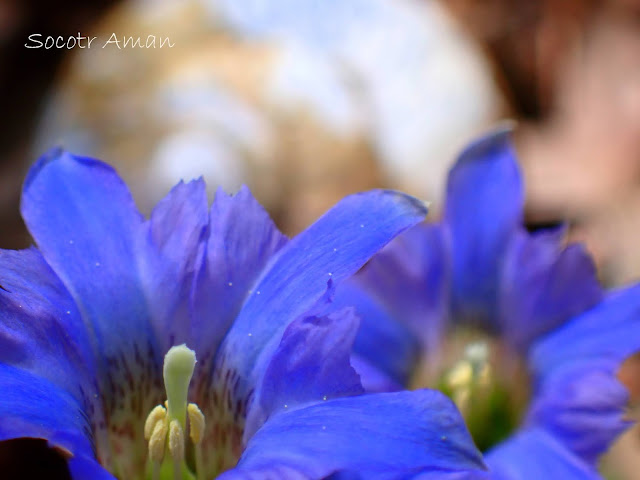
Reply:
x=179, y=363
x=176, y=441
x=165, y=427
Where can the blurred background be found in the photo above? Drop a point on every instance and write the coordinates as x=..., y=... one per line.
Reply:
x=306, y=101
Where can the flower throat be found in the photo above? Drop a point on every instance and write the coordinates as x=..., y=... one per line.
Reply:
x=484, y=379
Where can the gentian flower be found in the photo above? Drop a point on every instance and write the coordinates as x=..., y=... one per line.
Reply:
x=94, y=322
x=539, y=300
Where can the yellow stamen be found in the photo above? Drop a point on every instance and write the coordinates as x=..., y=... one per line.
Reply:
x=460, y=376
x=196, y=431
x=157, y=414
x=196, y=423
x=469, y=376
x=157, y=441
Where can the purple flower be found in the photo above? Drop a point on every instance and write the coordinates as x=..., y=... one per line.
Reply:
x=479, y=267
x=87, y=318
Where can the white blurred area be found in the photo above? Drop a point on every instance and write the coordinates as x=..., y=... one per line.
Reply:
x=303, y=100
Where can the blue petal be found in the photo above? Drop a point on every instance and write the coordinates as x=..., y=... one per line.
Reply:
x=40, y=328
x=610, y=331
x=126, y=276
x=242, y=239
x=401, y=295
x=544, y=285
x=47, y=373
x=473, y=475
x=410, y=277
x=578, y=397
x=334, y=247
x=31, y=406
x=271, y=472
x=175, y=240
x=88, y=229
x=378, y=436
x=583, y=406
x=311, y=364
x=483, y=209
x=374, y=379
x=383, y=341
x=535, y=454
x=432, y=475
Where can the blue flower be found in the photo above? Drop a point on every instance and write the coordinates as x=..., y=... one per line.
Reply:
x=89, y=317
x=480, y=267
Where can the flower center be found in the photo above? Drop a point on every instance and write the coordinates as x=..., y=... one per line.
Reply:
x=487, y=382
x=166, y=426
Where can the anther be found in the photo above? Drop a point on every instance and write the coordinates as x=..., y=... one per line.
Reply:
x=460, y=376
x=196, y=431
x=196, y=423
x=157, y=441
x=159, y=413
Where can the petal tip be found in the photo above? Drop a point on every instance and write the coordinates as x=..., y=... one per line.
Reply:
x=59, y=154
x=498, y=139
x=420, y=207
x=49, y=156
